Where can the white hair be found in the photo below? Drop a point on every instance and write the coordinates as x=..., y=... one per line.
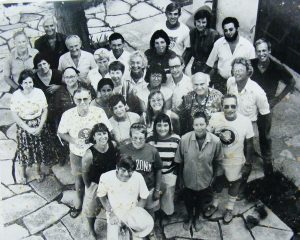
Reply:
x=49, y=17
x=202, y=76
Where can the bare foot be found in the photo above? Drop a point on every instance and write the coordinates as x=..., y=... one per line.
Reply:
x=23, y=180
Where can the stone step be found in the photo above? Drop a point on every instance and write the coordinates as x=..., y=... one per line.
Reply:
x=57, y=231
x=63, y=173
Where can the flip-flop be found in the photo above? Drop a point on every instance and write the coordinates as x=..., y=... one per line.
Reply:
x=74, y=212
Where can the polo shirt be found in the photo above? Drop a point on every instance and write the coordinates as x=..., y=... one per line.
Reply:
x=251, y=100
x=198, y=163
x=221, y=52
x=85, y=64
x=14, y=65
x=269, y=79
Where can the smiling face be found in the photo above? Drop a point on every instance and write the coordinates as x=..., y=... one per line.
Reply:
x=74, y=45
x=136, y=64
x=199, y=126
x=263, y=52
x=240, y=72
x=138, y=139
x=21, y=43
x=105, y=92
x=155, y=80
x=200, y=85
x=70, y=77
x=172, y=17
x=119, y=110
x=176, y=67
x=27, y=84
x=124, y=174
x=102, y=64
x=229, y=108
x=201, y=24
x=116, y=77
x=117, y=46
x=49, y=27
x=82, y=99
x=157, y=102
x=43, y=67
x=163, y=129
x=160, y=45
x=101, y=138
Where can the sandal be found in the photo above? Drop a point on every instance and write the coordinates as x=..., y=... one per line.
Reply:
x=228, y=216
x=210, y=210
x=40, y=178
x=74, y=212
x=23, y=180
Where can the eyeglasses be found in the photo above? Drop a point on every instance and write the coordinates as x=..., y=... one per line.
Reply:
x=156, y=76
x=229, y=106
x=140, y=139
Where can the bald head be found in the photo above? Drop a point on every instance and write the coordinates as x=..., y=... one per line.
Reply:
x=200, y=83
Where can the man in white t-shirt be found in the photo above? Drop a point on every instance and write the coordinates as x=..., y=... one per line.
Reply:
x=123, y=193
x=74, y=127
x=178, y=32
x=233, y=130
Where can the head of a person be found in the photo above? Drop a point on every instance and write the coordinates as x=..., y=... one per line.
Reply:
x=105, y=88
x=117, y=104
x=26, y=80
x=200, y=122
x=176, y=65
x=202, y=19
x=41, y=63
x=160, y=41
x=138, y=135
x=99, y=134
x=125, y=167
x=162, y=127
x=156, y=102
x=200, y=83
x=155, y=76
x=101, y=57
x=73, y=43
x=49, y=25
x=229, y=105
x=241, y=69
x=21, y=41
x=263, y=49
x=173, y=12
x=116, y=71
x=137, y=62
x=116, y=43
x=230, y=27
x=82, y=97
x=70, y=76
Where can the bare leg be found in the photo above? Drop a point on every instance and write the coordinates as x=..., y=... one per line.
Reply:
x=91, y=221
x=39, y=173
x=79, y=187
x=23, y=179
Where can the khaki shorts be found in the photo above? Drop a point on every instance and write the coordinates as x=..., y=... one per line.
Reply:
x=76, y=164
x=168, y=183
x=91, y=206
x=232, y=172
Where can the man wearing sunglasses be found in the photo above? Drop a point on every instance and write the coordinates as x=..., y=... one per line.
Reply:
x=234, y=130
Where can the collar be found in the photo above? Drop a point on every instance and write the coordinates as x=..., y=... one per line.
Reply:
x=207, y=138
x=30, y=53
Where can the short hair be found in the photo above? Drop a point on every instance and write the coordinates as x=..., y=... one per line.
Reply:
x=25, y=74
x=115, y=66
x=38, y=58
x=138, y=127
x=174, y=56
x=225, y=96
x=82, y=88
x=140, y=54
x=201, y=14
x=159, y=34
x=101, y=53
x=70, y=37
x=244, y=61
x=19, y=33
x=126, y=161
x=230, y=20
x=200, y=114
x=49, y=17
x=263, y=40
x=115, y=99
x=161, y=117
x=115, y=36
x=103, y=82
x=71, y=67
x=201, y=75
x=172, y=7
x=99, y=127
x=152, y=69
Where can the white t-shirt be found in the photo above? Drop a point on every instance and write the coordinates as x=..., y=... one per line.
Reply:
x=28, y=106
x=79, y=127
x=232, y=135
x=179, y=37
x=94, y=77
x=122, y=196
x=121, y=129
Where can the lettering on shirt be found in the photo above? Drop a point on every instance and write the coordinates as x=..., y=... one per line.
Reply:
x=142, y=165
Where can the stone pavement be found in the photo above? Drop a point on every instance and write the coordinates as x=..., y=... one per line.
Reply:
x=40, y=210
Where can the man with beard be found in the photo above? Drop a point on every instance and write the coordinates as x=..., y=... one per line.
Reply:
x=52, y=44
x=225, y=49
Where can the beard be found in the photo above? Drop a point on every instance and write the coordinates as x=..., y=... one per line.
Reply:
x=137, y=75
x=233, y=38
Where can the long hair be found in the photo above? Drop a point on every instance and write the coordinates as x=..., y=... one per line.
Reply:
x=99, y=127
x=149, y=111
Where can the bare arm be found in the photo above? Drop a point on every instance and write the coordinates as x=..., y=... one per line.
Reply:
x=113, y=219
x=42, y=122
x=141, y=203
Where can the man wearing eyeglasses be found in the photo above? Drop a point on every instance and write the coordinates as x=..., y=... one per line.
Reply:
x=233, y=129
x=74, y=127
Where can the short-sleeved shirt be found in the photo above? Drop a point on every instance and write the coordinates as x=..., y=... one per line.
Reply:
x=94, y=77
x=80, y=127
x=198, y=163
x=269, y=79
x=251, y=100
x=147, y=161
x=122, y=196
x=14, y=65
x=85, y=64
x=232, y=135
x=28, y=106
x=179, y=37
x=221, y=52
x=121, y=128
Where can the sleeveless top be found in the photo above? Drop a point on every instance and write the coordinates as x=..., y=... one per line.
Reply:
x=102, y=162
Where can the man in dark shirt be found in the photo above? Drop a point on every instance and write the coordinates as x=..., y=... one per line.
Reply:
x=267, y=73
x=52, y=44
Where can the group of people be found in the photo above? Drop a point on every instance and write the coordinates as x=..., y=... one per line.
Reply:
x=139, y=129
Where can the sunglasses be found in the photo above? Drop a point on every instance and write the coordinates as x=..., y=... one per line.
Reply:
x=229, y=106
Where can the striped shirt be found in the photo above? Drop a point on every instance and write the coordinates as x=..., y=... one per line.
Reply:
x=166, y=149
